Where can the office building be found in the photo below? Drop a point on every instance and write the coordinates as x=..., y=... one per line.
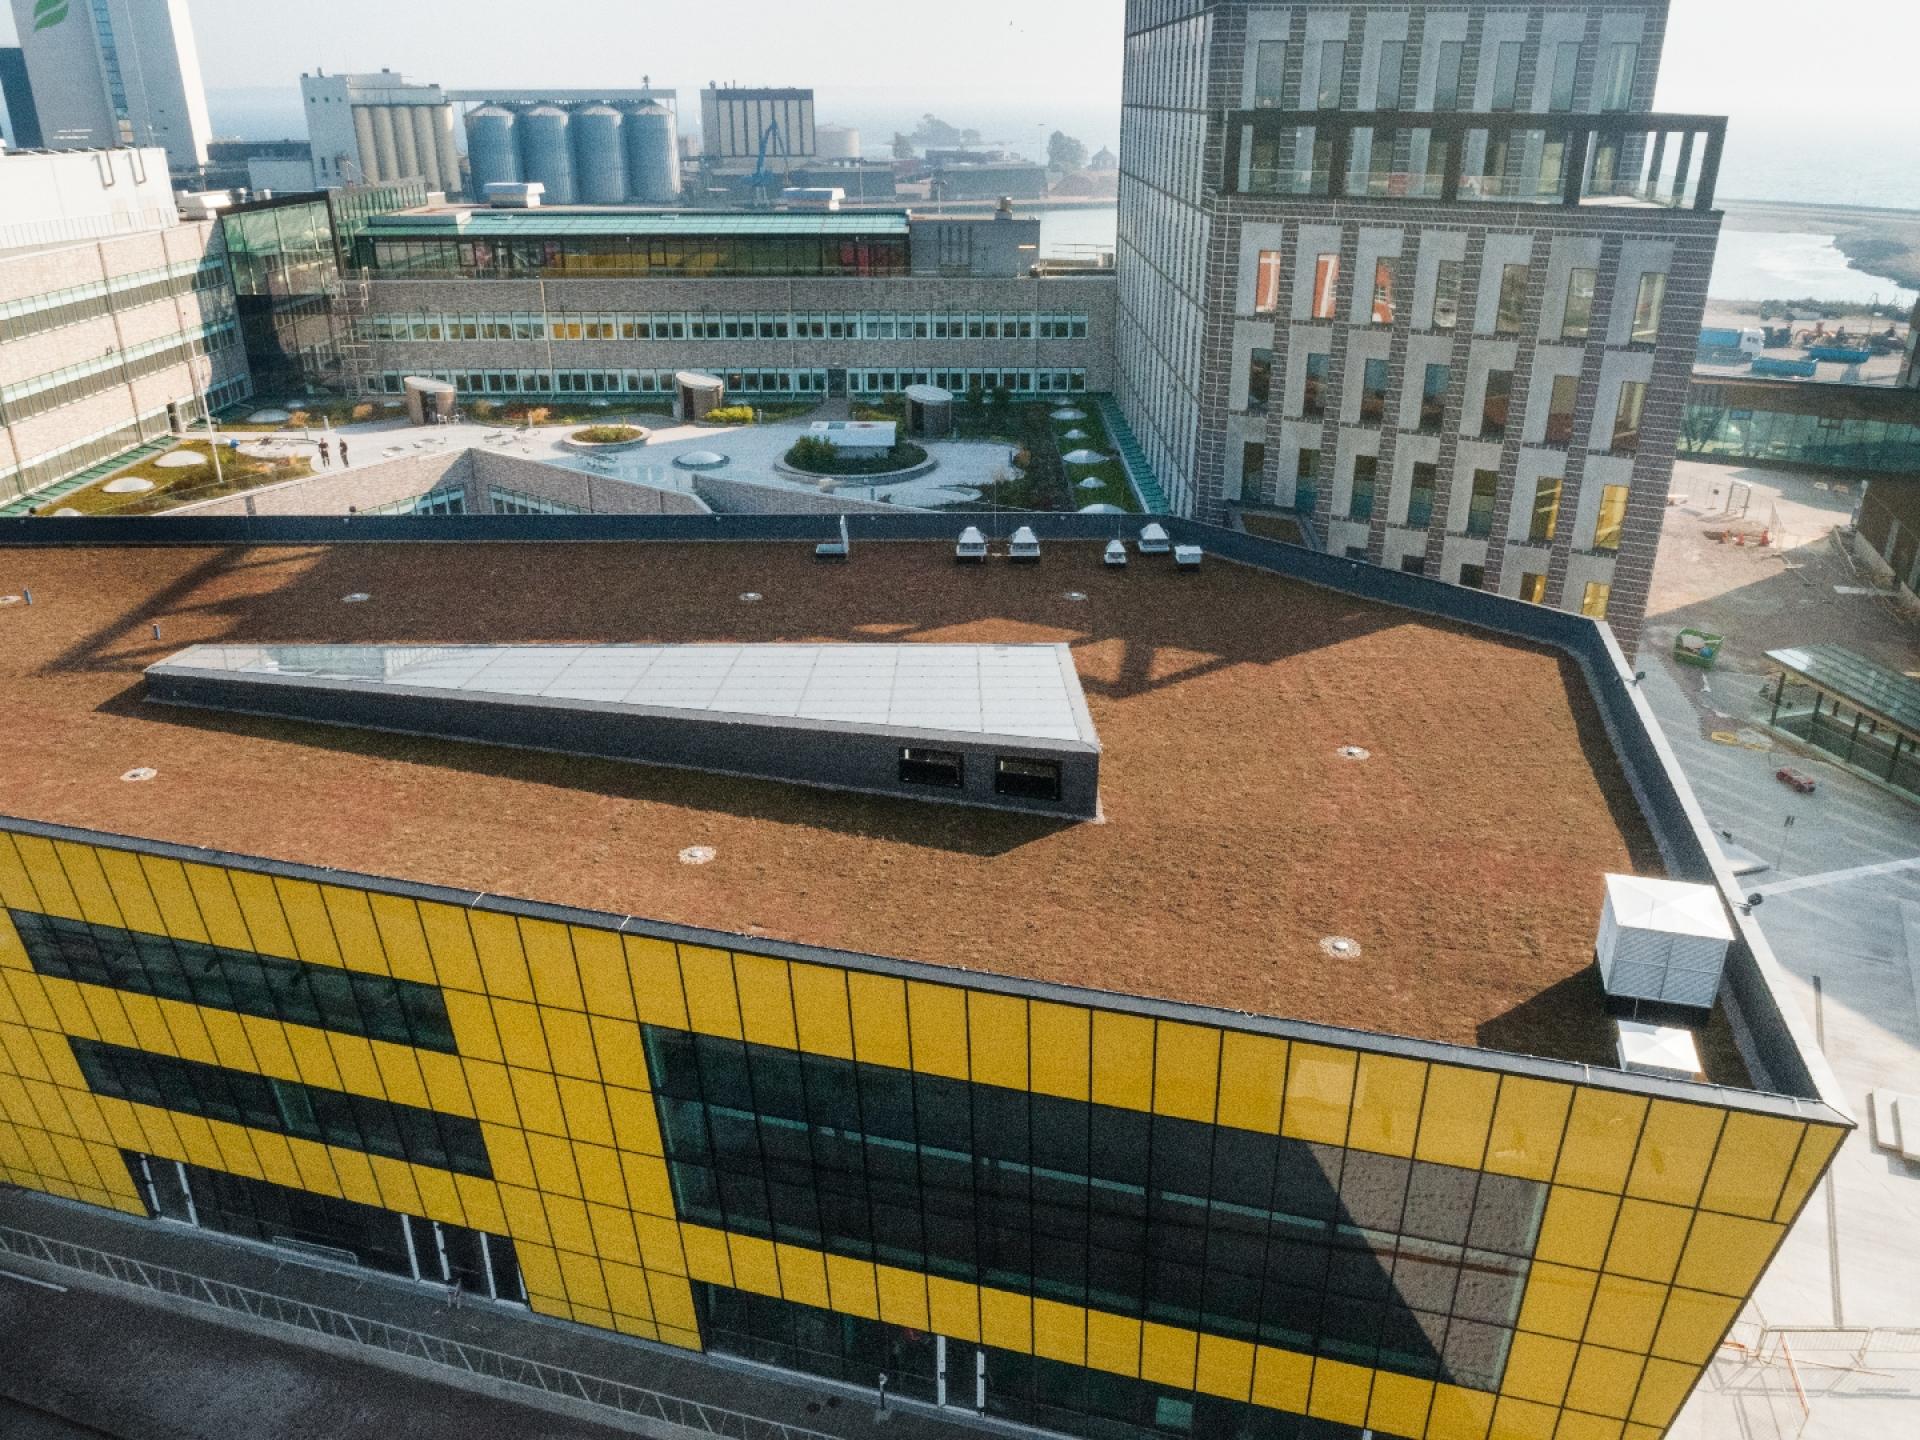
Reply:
x=117, y=318
x=16, y=97
x=378, y=130
x=1316, y=1127
x=256, y=165
x=736, y=124
x=114, y=73
x=1432, y=285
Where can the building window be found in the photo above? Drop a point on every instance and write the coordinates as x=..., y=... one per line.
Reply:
x=1566, y=65
x=1647, y=306
x=1446, y=295
x=1319, y=366
x=1486, y=485
x=1253, y=466
x=1333, y=64
x=1626, y=418
x=1269, y=73
x=1393, y=60
x=1513, y=300
x=1266, y=283
x=1383, y=277
x=1373, y=390
x=1533, y=588
x=943, y=769
x=1546, y=509
x=1474, y=577
x=1413, y=564
x=1593, y=603
x=1326, y=281
x=1306, y=489
x=1446, y=86
x=1495, y=407
x=1433, y=397
x=1019, y=778
x=1506, y=75
x=1259, y=380
x=1366, y=469
x=1566, y=389
x=1612, y=519
x=1577, y=321
x=1420, y=500
x=1615, y=84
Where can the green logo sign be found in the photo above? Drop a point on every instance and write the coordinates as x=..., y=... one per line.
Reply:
x=48, y=13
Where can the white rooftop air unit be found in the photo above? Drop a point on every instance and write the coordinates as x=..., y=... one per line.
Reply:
x=512, y=195
x=1662, y=1050
x=1662, y=940
x=1153, y=539
x=972, y=546
x=1116, y=553
x=1187, y=557
x=1024, y=545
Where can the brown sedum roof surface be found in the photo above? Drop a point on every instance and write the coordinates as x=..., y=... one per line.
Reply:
x=1465, y=856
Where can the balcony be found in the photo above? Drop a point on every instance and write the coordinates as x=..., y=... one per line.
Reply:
x=1664, y=160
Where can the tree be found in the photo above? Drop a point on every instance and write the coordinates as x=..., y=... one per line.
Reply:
x=902, y=146
x=1065, y=153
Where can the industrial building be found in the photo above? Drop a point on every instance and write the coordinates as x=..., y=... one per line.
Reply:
x=741, y=127
x=618, y=147
x=1327, y=1126
x=1432, y=285
x=117, y=323
x=114, y=73
x=379, y=129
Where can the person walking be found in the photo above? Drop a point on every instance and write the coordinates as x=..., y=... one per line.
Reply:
x=344, y=465
x=326, y=455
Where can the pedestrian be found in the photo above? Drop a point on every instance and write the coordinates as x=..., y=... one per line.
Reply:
x=326, y=455
x=343, y=454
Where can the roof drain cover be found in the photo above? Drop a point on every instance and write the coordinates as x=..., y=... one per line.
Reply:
x=1341, y=948
x=1353, y=752
x=696, y=855
x=140, y=772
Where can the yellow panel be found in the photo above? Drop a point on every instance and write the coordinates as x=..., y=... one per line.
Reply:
x=585, y=1104
x=655, y=971
x=1399, y=1404
x=315, y=1165
x=496, y=945
x=522, y=1038
x=553, y=1164
x=627, y=1290
x=130, y=890
x=89, y=884
x=1647, y=1239
x=1576, y=1426
x=353, y=1057
x=766, y=1001
x=395, y=1179
x=1527, y=1121
x=1815, y=1150
x=879, y=1006
x=1664, y=1386
x=480, y=1202
x=550, y=964
x=401, y=939
x=1537, y=1368
x=13, y=954
x=1059, y=1331
x=356, y=1175
x=450, y=940
x=1319, y=1091
x=1167, y=1356
x=180, y=909
x=1675, y=1147
x=1387, y=1094
x=803, y=1276
x=1253, y=1077
x=636, y=1125
x=268, y=1040
x=1642, y=1432
x=1625, y=1312
x=492, y=1090
x=570, y=1043
x=143, y=1013
x=70, y=1006
x=648, y=1189
x=1113, y=1341
x=820, y=1010
x=600, y=1177
x=1603, y=1380
x=937, y=1022
x=259, y=904
x=1006, y=1321
x=354, y=931
x=585, y=1284
x=1726, y=1254
x=31, y=996
x=540, y=1268
x=312, y=1056
x=1602, y=1131
x=1456, y=1114
x=1557, y=1300
x=903, y=1297
x=850, y=1282
x=16, y=890
x=1281, y=1379
x=1340, y=1392
x=1225, y=1367
x=567, y=1218
x=755, y=1267
x=42, y=865
x=660, y=1249
x=1186, y=1070
x=1060, y=1041
x=229, y=1036
x=1691, y=1327
x=1122, y=1060
x=526, y=1221
x=623, y=1060
x=1522, y=1420
x=604, y=985
x=713, y=1005
x=953, y=1308
x=1750, y=1169
x=1575, y=1228
x=997, y=1039
x=440, y=1197
x=400, y=1076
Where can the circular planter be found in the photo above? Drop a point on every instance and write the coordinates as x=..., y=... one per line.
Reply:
x=607, y=447
x=857, y=482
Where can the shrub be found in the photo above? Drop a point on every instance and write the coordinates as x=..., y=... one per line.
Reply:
x=538, y=415
x=731, y=415
x=362, y=411
x=482, y=410
x=299, y=420
x=811, y=454
x=606, y=434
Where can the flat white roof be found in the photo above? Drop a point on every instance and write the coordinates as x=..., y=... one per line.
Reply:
x=1672, y=906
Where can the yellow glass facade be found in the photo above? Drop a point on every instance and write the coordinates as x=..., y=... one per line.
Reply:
x=1660, y=1213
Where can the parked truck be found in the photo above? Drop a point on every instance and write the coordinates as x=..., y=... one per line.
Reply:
x=1730, y=341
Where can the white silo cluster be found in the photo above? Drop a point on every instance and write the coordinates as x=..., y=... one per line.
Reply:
x=598, y=153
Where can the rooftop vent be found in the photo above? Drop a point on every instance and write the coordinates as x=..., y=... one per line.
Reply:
x=1662, y=941
x=1153, y=539
x=1662, y=1050
x=1116, y=553
x=971, y=549
x=1024, y=546
x=1187, y=557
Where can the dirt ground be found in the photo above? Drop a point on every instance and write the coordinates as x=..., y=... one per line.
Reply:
x=1465, y=856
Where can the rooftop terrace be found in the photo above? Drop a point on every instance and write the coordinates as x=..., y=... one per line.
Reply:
x=1464, y=856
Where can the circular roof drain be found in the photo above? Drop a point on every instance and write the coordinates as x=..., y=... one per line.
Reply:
x=696, y=855
x=140, y=772
x=1339, y=947
x=359, y=597
x=752, y=597
x=1353, y=752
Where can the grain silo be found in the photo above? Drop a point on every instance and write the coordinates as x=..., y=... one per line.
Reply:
x=493, y=153
x=546, y=154
x=653, y=155
x=599, y=162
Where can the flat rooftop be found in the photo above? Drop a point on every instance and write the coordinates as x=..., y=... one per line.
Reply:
x=1465, y=855
x=548, y=221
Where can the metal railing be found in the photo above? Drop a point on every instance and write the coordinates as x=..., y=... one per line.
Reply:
x=436, y=1350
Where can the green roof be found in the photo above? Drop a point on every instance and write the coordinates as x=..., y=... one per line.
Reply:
x=1883, y=693
x=545, y=224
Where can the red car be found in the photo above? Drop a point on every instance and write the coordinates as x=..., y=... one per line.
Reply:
x=1787, y=775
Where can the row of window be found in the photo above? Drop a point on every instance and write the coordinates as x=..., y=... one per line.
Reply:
x=698, y=325
x=1015, y=776
x=1594, y=598
x=614, y=257
x=434, y=502
x=377, y=1006
x=40, y=393
x=501, y=501
x=1398, y=86
x=38, y=313
x=741, y=382
x=287, y=1107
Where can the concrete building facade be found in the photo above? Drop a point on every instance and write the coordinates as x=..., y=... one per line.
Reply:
x=16, y=91
x=1427, y=275
x=379, y=129
x=117, y=72
x=734, y=120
